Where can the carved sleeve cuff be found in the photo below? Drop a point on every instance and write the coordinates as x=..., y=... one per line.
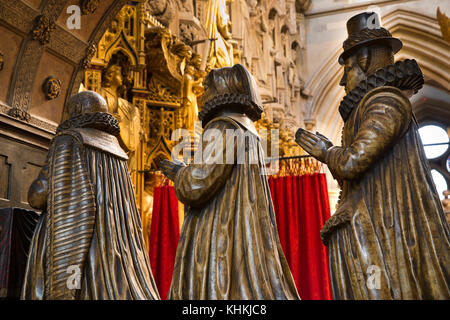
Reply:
x=384, y=116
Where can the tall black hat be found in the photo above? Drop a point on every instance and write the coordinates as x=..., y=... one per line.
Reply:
x=364, y=29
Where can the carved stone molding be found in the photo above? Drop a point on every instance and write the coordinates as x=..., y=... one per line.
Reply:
x=67, y=45
x=17, y=14
x=310, y=124
x=20, y=114
x=51, y=88
x=39, y=27
x=24, y=75
x=88, y=6
x=43, y=29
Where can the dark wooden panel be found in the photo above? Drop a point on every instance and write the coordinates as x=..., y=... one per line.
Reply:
x=20, y=163
x=16, y=230
x=5, y=173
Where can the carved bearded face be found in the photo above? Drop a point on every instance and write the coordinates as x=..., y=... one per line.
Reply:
x=353, y=74
x=364, y=62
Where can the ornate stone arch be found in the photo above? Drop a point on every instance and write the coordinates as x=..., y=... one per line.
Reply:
x=121, y=44
x=274, y=8
x=95, y=36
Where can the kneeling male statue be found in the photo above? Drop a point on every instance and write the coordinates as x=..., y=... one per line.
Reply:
x=388, y=238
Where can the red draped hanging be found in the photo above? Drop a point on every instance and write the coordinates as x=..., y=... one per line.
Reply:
x=302, y=207
x=164, y=235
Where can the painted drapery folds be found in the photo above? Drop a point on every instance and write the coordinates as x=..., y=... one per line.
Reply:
x=88, y=243
x=229, y=246
x=388, y=238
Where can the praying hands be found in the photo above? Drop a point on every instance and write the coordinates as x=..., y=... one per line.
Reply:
x=315, y=144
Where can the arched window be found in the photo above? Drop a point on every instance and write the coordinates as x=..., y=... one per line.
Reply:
x=435, y=140
x=431, y=107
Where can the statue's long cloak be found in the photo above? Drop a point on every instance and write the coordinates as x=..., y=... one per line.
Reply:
x=90, y=227
x=388, y=238
x=229, y=246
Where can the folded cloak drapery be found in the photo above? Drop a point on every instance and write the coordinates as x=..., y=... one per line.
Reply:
x=388, y=238
x=91, y=222
x=229, y=246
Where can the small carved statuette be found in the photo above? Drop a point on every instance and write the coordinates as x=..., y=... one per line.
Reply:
x=43, y=29
x=51, y=88
x=90, y=53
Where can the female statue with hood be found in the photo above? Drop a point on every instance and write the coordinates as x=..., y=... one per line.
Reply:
x=229, y=246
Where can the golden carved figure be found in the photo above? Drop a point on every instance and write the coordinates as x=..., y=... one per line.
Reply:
x=388, y=238
x=229, y=246
x=126, y=113
x=88, y=243
x=218, y=25
x=190, y=89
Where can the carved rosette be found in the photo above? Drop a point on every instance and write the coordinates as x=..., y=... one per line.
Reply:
x=19, y=114
x=43, y=29
x=51, y=88
x=88, y=6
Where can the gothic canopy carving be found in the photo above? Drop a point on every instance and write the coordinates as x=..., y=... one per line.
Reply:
x=167, y=57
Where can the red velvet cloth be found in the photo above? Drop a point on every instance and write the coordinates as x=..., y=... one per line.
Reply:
x=164, y=235
x=301, y=208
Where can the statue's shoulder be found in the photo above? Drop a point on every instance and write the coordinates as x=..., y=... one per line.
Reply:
x=96, y=139
x=238, y=121
x=226, y=122
x=387, y=95
x=68, y=137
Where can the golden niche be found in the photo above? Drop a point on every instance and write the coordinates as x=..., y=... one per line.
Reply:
x=151, y=81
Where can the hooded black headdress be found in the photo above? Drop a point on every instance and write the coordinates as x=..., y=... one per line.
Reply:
x=230, y=87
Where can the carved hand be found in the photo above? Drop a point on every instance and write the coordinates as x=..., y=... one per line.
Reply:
x=170, y=168
x=315, y=144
